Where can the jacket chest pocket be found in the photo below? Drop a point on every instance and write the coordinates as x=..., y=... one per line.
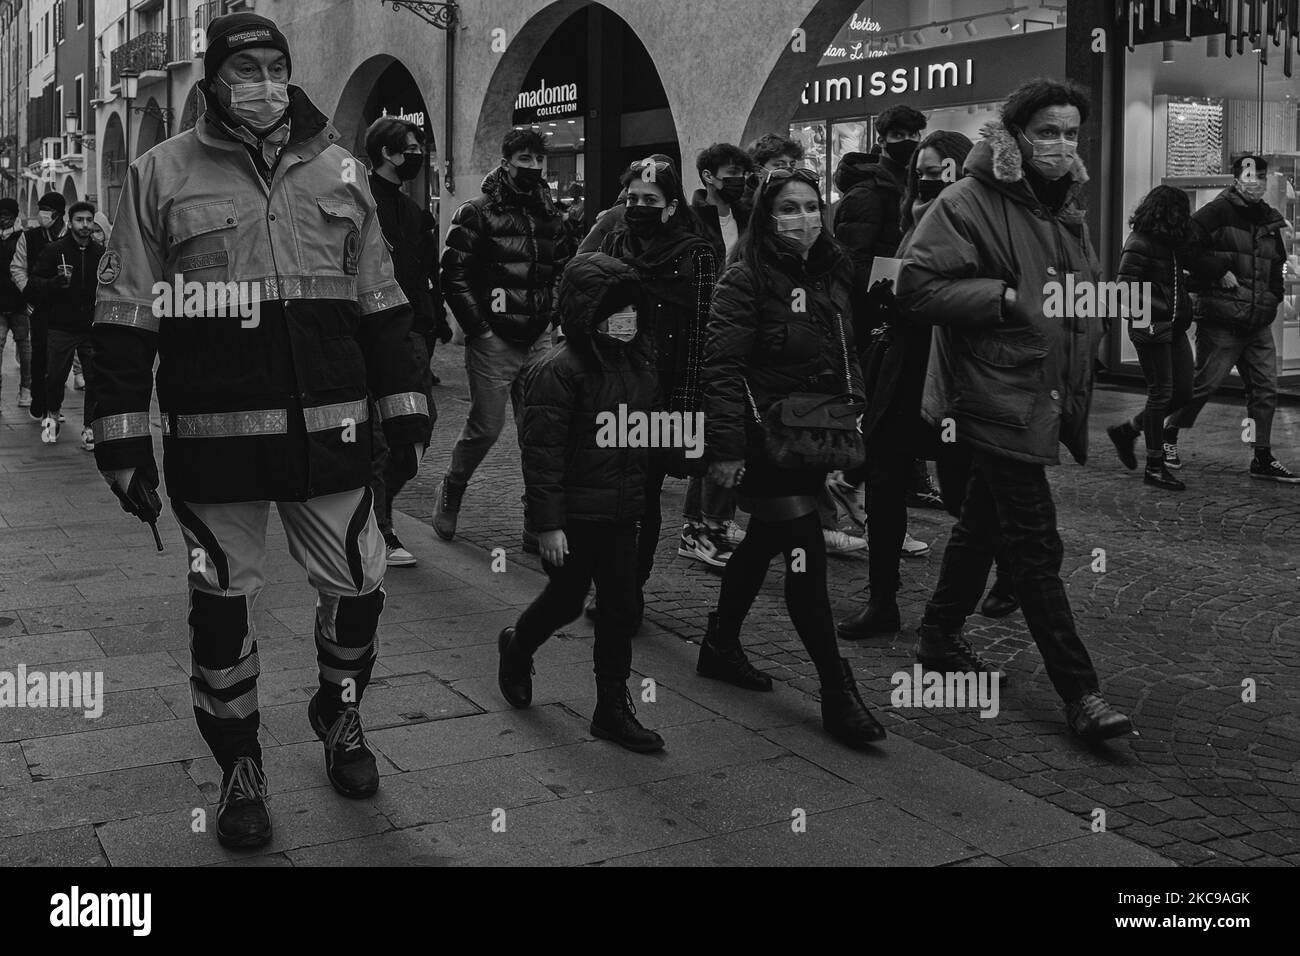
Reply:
x=200, y=238
x=334, y=241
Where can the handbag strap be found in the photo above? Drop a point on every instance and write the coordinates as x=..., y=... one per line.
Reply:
x=844, y=348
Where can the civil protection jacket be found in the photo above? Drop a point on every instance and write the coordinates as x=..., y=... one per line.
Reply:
x=1245, y=238
x=266, y=408
x=1018, y=387
x=505, y=252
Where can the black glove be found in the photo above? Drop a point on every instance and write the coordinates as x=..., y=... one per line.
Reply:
x=405, y=460
x=140, y=499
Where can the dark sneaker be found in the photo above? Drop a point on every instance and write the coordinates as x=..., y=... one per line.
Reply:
x=1158, y=476
x=923, y=494
x=1273, y=470
x=243, y=821
x=1172, y=461
x=951, y=654
x=880, y=618
x=446, y=508
x=615, y=719
x=1091, y=718
x=349, y=764
x=1000, y=602
x=397, y=556
x=686, y=543
x=711, y=546
x=1124, y=437
x=514, y=671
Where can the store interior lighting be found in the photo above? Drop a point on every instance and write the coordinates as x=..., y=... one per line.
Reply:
x=1167, y=52
x=971, y=29
x=918, y=37
x=1012, y=22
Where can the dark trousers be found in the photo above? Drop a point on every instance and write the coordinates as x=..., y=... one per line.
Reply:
x=953, y=468
x=647, y=535
x=806, y=598
x=888, y=475
x=1169, y=371
x=600, y=552
x=1254, y=355
x=61, y=347
x=1009, y=505
x=40, y=361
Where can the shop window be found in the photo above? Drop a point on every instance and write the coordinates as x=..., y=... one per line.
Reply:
x=812, y=137
x=856, y=136
x=1195, y=137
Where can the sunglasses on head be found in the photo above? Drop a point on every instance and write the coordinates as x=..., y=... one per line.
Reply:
x=648, y=168
x=780, y=175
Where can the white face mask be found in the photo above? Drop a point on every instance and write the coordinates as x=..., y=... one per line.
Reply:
x=622, y=325
x=259, y=105
x=800, y=229
x=1053, y=157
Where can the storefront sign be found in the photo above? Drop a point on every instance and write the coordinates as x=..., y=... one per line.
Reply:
x=547, y=101
x=950, y=75
x=415, y=118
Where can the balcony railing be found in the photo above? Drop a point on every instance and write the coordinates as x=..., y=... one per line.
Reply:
x=181, y=45
x=205, y=13
x=148, y=51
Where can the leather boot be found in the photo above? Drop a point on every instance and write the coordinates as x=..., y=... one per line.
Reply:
x=728, y=664
x=1091, y=718
x=243, y=821
x=1001, y=599
x=844, y=715
x=615, y=719
x=880, y=618
x=515, y=671
x=951, y=654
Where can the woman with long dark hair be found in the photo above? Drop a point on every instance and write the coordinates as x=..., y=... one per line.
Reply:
x=780, y=327
x=664, y=242
x=1158, y=251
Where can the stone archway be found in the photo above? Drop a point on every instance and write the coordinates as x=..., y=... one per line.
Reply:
x=69, y=190
x=152, y=128
x=194, y=106
x=114, y=165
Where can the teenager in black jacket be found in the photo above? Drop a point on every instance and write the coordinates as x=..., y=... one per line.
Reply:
x=585, y=483
x=1158, y=251
x=781, y=323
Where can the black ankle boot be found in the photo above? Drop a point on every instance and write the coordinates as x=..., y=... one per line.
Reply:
x=243, y=821
x=615, y=719
x=515, y=671
x=844, y=715
x=1158, y=475
x=880, y=618
x=951, y=654
x=728, y=664
x=1001, y=600
x=1124, y=437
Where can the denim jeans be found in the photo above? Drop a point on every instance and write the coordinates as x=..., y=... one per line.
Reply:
x=1009, y=505
x=18, y=323
x=62, y=346
x=599, y=551
x=707, y=502
x=1255, y=355
x=496, y=370
x=1168, y=369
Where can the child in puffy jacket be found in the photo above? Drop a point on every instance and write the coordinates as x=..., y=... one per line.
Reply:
x=586, y=488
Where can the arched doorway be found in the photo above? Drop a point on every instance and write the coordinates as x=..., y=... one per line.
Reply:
x=152, y=128
x=114, y=171
x=579, y=74
x=69, y=190
x=194, y=106
x=383, y=86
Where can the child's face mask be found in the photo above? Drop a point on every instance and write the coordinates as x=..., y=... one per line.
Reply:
x=622, y=325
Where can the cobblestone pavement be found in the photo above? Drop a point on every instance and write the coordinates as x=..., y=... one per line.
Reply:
x=1198, y=597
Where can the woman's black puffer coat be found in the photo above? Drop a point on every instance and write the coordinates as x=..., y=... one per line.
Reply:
x=779, y=334
x=568, y=476
x=1148, y=258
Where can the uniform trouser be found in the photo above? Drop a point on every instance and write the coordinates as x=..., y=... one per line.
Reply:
x=18, y=324
x=335, y=539
x=600, y=552
x=1009, y=505
x=39, y=361
x=61, y=348
x=1255, y=355
x=496, y=370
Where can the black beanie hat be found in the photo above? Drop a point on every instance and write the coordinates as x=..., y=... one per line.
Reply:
x=10, y=205
x=54, y=202
x=240, y=31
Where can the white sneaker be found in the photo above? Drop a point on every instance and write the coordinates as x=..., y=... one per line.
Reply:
x=838, y=542
x=61, y=418
x=734, y=532
x=396, y=555
x=845, y=497
x=87, y=439
x=49, y=430
x=913, y=548
x=78, y=381
x=24, y=398
x=709, y=547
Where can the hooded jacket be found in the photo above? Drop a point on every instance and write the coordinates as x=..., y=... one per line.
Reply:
x=505, y=252
x=1245, y=238
x=1150, y=258
x=274, y=406
x=1021, y=384
x=70, y=309
x=568, y=475
x=866, y=219
x=26, y=251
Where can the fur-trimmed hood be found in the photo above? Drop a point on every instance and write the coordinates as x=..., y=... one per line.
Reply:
x=997, y=161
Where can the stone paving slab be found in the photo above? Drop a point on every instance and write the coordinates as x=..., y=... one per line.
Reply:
x=73, y=847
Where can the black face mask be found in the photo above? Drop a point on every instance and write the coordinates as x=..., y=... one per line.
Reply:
x=410, y=168
x=901, y=151
x=526, y=180
x=732, y=188
x=927, y=190
x=644, y=221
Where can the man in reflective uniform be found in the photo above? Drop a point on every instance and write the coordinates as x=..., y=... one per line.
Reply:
x=247, y=257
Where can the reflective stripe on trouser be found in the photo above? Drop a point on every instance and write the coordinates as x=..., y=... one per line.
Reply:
x=335, y=539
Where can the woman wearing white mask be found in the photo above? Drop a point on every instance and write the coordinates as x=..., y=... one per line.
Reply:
x=780, y=334
x=1012, y=376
